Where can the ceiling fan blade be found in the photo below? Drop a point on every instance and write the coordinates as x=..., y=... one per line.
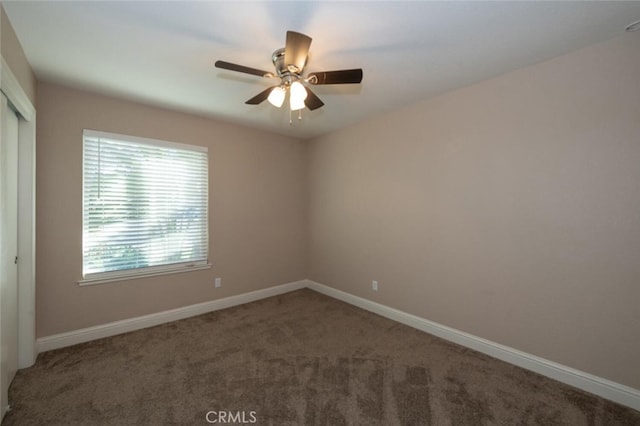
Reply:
x=260, y=97
x=312, y=102
x=296, y=51
x=241, y=68
x=353, y=76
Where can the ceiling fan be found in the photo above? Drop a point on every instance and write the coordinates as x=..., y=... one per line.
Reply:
x=289, y=63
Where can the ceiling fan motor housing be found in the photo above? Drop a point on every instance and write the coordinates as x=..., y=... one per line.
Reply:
x=283, y=70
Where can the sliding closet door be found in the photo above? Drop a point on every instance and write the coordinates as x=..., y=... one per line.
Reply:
x=8, y=250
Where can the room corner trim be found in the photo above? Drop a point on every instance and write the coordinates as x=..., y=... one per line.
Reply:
x=613, y=391
x=17, y=97
x=70, y=338
x=15, y=93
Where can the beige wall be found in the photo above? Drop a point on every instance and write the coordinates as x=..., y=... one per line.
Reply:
x=12, y=52
x=257, y=210
x=509, y=209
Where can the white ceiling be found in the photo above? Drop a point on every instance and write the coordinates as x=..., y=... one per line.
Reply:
x=162, y=53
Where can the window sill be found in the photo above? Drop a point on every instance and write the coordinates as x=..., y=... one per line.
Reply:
x=134, y=275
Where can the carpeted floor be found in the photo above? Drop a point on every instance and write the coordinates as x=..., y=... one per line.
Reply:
x=297, y=359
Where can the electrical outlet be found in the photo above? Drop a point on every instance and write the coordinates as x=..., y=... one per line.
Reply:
x=218, y=282
x=374, y=285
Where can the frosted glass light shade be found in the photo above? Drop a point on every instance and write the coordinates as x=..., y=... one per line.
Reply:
x=297, y=96
x=276, y=97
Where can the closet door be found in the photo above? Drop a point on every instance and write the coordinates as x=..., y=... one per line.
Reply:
x=8, y=250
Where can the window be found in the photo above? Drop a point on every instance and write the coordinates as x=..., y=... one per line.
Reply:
x=144, y=207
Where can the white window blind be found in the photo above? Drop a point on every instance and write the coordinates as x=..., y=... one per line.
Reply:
x=144, y=206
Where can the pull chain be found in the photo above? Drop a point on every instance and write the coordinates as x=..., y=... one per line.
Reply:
x=299, y=116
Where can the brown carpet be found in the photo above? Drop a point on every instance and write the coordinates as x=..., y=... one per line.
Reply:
x=297, y=359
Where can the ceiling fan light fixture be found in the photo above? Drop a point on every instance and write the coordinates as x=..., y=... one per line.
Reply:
x=297, y=96
x=276, y=97
x=289, y=63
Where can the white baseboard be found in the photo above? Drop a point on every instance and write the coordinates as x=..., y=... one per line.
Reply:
x=613, y=391
x=607, y=389
x=62, y=340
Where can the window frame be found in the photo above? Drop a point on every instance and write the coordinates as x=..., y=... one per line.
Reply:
x=147, y=271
